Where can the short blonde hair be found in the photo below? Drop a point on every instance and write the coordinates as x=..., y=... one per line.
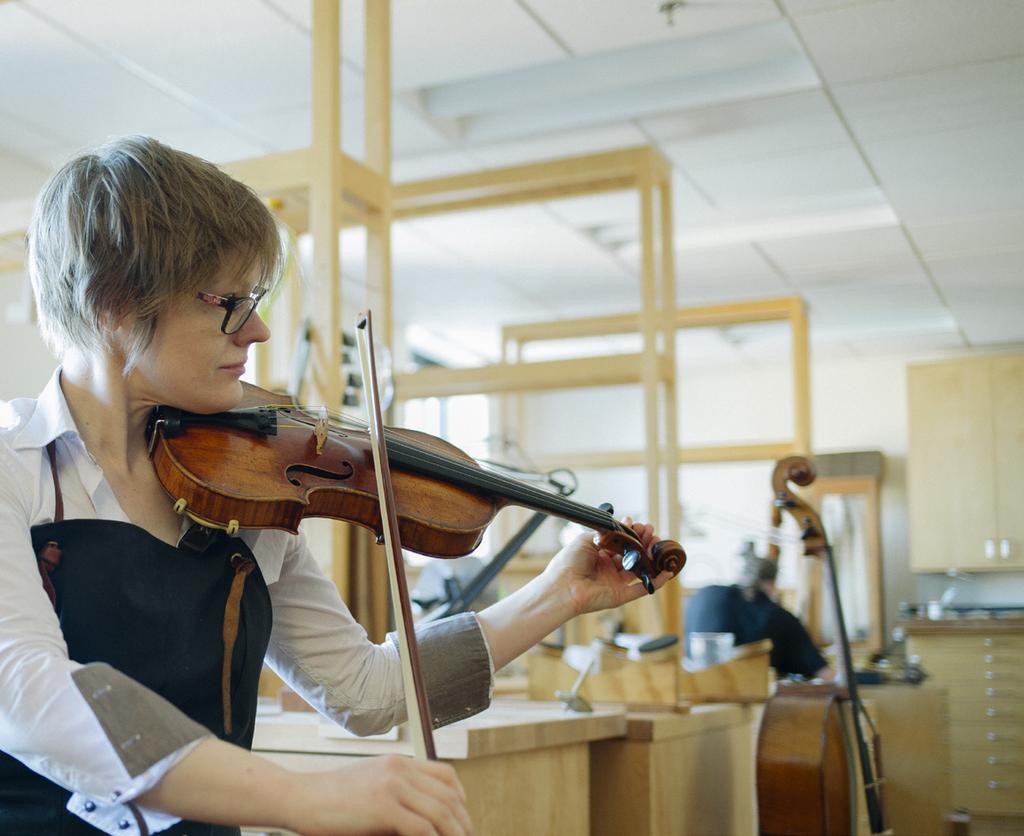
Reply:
x=122, y=231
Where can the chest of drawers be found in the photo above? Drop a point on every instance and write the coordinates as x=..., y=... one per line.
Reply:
x=981, y=665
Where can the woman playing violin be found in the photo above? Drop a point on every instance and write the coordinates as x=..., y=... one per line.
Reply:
x=123, y=706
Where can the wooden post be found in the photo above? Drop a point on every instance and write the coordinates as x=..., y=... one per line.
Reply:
x=378, y=157
x=325, y=216
x=372, y=566
x=650, y=376
x=649, y=321
x=801, y=379
x=670, y=460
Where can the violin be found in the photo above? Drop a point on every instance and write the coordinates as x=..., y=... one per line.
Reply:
x=804, y=782
x=270, y=463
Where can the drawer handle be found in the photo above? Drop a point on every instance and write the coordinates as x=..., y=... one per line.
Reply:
x=988, y=658
x=997, y=785
x=987, y=642
x=990, y=692
x=991, y=712
x=989, y=675
x=991, y=736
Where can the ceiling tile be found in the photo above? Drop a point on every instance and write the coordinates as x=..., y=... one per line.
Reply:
x=236, y=69
x=839, y=250
x=614, y=212
x=95, y=96
x=869, y=306
x=972, y=235
x=953, y=174
x=986, y=293
x=567, y=143
x=906, y=342
x=874, y=275
x=715, y=264
x=750, y=129
x=781, y=179
x=437, y=164
x=725, y=274
x=445, y=40
x=437, y=286
x=587, y=27
x=799, y=7
x=881, y=39
x=964, y=96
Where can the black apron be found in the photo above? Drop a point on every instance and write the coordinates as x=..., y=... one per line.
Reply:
x=157, y=614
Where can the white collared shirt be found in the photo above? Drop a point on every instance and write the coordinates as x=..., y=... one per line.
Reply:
x=316, y=646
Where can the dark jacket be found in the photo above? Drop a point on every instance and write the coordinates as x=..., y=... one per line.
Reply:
x=724, y=609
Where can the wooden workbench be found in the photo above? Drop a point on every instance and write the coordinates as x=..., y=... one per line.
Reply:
x=525, y=765
x=677, y=774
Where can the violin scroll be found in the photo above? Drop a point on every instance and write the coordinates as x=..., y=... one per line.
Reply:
x=664, y=556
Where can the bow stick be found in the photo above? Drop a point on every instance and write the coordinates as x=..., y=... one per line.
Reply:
x=416, y=703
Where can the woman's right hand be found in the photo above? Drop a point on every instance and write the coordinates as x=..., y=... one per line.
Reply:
x=388, y=794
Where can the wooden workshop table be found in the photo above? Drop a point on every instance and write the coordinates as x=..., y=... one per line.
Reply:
x=677, y=774
x=525, y=765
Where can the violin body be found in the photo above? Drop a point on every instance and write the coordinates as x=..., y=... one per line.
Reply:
x=275, y=481
x=269, y=464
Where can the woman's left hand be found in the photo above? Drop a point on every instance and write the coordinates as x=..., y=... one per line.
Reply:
x=593, y=576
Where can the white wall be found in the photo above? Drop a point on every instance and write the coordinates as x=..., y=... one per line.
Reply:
x=26, y=362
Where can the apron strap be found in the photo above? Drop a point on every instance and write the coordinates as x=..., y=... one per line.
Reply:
x=243, y=566
x=49, y=555
x=58, y=510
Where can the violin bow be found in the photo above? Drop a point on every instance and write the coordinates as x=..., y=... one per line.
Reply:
x=417, y=707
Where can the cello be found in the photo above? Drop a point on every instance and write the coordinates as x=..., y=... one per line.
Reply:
x=806, y=781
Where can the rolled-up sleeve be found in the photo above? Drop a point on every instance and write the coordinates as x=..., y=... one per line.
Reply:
x=457, y=670
x=324, y=654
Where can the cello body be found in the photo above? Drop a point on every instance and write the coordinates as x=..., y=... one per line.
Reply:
x=806, y=783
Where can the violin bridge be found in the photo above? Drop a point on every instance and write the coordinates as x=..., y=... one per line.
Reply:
x=320, y=430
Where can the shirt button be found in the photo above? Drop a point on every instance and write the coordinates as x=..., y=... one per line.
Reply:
x=89, y=806
x=124, y=824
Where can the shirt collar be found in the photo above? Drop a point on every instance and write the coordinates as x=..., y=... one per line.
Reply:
x=49, y=419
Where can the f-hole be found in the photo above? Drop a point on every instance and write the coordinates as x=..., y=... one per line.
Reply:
x=320, y=473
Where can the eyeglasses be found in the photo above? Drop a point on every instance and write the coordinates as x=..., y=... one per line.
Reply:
x=237, y=309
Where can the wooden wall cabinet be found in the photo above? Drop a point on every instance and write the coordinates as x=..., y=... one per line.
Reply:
x=965, y=474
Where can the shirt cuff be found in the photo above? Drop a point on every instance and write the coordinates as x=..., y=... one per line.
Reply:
x=117, y=815
x=458, y=673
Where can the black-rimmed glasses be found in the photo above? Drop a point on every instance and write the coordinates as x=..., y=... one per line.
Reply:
x=237, y=309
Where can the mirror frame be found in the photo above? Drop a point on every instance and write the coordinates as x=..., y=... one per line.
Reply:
x=868, y=487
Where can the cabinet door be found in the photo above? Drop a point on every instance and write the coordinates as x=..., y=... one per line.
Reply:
x=950, y=482
x=1008, y=432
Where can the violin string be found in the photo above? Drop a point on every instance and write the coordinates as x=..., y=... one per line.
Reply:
x=472, y=475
